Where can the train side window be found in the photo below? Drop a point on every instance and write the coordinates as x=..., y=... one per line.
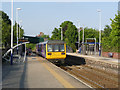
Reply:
x=49, y=48
x=45, y=48
x=56, y=48
x=40, y=48
x=62, y=48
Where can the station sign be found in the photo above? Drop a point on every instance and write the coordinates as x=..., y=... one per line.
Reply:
x=90, y=40
x=23, y=40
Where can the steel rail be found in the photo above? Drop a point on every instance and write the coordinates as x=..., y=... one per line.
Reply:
x=87, y=79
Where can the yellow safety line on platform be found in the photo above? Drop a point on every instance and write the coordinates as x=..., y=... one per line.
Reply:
x=58, y=77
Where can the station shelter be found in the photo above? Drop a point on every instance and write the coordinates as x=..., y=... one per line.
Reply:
x=90, y=47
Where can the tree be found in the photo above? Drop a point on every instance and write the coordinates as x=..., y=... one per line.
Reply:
x=6, y=24
x=5, y=30
x=46, y=36
x=15, y=32
x=107, y=31
x=92, y=33
x=70, y=34
x=110, y=41
x=64, y=27
x=21, y=31
x=56, y=34
x=115, y=33
x=89, y=33
x=32, y=46
x=106, y=41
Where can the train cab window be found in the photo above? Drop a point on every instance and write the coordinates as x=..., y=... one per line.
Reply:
x=62, y=48
x=56, y=48
x=49, y=48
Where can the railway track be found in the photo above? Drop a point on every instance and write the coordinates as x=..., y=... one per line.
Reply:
x=95, y=77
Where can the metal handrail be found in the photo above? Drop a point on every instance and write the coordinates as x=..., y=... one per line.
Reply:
x=13, y=48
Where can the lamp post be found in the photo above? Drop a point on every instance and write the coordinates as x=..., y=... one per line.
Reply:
x=78, y=22
x=61, y=34
x=11, y=62
x=83, y=40
x=17, y=24
x=99, y=11
x=83, y=34
x=78, y=37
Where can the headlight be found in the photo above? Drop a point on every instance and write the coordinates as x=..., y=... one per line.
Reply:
x=63, y=53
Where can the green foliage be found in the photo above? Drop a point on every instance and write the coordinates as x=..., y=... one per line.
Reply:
x=21, y=31
x=107, y=31
x=56, y=34
x=110, y=41
x=15, y=32
x=90, y=33
x=70, y=34
x=46, y=36
x=106, y=47
x=64, y=25
x=32, y=46
x=5, y=30
x=6, y=24
x=115, y=33
x=110, y=36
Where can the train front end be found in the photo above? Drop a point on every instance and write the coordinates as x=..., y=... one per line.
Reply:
x=56, y=50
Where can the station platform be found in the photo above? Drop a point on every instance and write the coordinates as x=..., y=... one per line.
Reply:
x=37, y=72
x=97, y=58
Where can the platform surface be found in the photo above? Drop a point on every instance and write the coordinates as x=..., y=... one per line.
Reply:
x=37, y=72
x=97, y=58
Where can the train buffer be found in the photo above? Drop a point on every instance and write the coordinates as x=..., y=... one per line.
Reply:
x=37, y=72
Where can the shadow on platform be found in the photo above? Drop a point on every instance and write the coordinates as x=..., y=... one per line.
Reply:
x=14, y=76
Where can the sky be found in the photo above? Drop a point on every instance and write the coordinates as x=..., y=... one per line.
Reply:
x=45, y=16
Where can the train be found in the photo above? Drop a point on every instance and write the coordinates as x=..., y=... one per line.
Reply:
x=54, y=50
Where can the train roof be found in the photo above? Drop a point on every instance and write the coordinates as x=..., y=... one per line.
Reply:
x=53, y=42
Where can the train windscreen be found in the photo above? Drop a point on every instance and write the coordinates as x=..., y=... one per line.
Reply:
x=50, y=48
x=62, y=48
x=56, y=48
